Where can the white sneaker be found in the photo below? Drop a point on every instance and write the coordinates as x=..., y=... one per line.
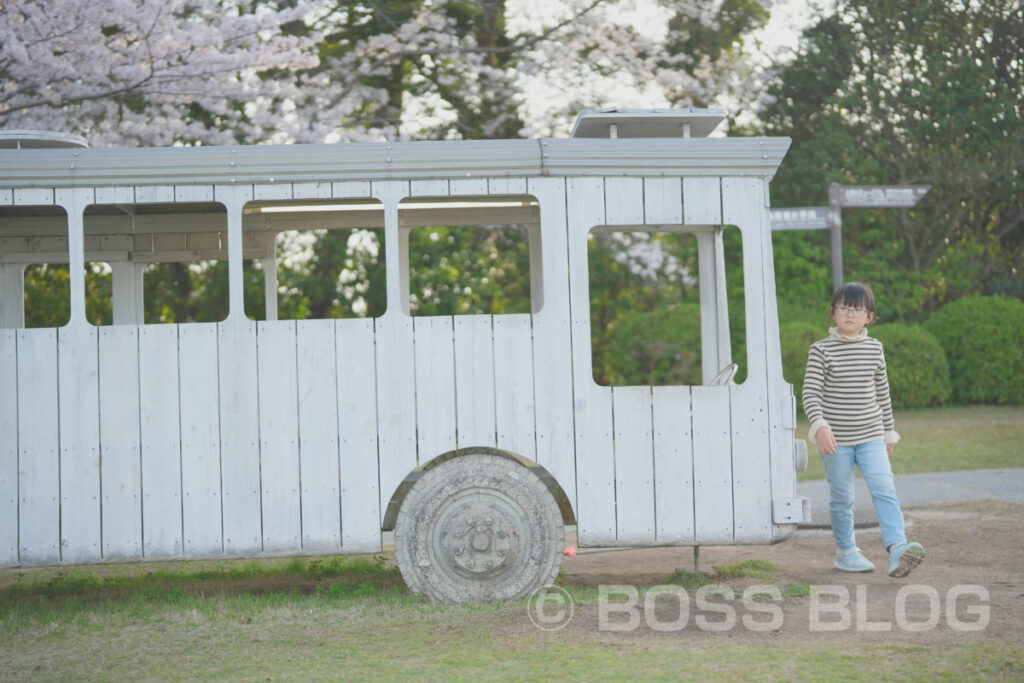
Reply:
x=853, y=561
x=904, y=558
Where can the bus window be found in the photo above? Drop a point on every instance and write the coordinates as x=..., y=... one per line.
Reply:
x=647, y=327
x=472, y=255
x=156, y=263
x=325, y=259
x=35, y=289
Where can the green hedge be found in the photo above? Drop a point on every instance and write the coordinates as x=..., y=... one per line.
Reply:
x=660, y=347
x=918, y=371
x=983, y=338
x=796, y=338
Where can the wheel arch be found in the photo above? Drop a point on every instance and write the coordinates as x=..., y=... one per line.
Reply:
x=538, y=470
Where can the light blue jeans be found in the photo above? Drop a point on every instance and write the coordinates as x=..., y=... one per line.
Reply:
x=873, y=461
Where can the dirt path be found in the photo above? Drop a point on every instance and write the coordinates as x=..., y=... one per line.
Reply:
x=971, y=586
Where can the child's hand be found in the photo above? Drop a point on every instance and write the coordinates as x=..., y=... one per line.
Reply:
x=889, y=448
x=826, y=441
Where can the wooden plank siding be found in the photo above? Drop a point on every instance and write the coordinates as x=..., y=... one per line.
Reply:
x=8, y=447
x=243, y=438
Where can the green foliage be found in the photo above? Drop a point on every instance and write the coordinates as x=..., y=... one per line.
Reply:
x=984, y=342
x=916, y=363
x=659, y=347
x=928, y=92
x=462, y=270
x=796, y=339
x=47, y=296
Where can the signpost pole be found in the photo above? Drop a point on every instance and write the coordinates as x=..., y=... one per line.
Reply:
x=835, y=226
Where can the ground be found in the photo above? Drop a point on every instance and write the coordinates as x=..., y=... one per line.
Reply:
x=974, y=565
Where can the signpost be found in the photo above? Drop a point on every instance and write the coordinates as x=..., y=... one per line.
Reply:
x=831, y=217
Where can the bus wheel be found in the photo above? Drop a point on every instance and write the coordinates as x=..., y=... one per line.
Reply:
x=479, y=528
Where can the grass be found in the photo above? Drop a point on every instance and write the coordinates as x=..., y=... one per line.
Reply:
x=160, y=628
x=947, y=439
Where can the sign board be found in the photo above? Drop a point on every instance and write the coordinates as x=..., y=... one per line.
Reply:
x=880, y=195
x=801, y=218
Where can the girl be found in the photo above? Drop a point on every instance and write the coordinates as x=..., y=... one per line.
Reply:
x=846, y=398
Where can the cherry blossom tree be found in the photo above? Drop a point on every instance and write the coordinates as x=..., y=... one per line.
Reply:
x=219, y=71
x=152, y=72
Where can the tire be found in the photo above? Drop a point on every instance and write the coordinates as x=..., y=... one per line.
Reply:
x=479, y=528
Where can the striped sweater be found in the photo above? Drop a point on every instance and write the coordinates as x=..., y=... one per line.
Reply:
x=846, y=388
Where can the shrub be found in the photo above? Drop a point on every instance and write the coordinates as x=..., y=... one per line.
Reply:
x=660, y=347
x=918, y=371
x=796, y=338
x=983, y=338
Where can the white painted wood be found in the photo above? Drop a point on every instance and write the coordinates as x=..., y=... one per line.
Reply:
x=537, y=273
x=38, y=457
x=390, y=193
x=79, y=410
x=8, y=448
x=318, y=435
x=362, y=477
x=468, y=186
x=514, y=400
x=435, y=386
x=474, y=380
x=200, y=440
x=234, y=198
x=120, y=452
x=115, y=195
x=712, y=466
x=239, y=435
x=270, y=286
x=595, y=458
x=154, y=194
x=751, y=468
x=6, y=197
x=403, y=269
x=743, y=201
x=506, y=185
x=74, y=201
x=271, y=191
x=552, y=349
x=673, y=465
x=311, y=190
x=127, y=293
x=31, y=196
x=782, y=402
x=396, y=401
x=634, y=465
x=716, y=351
x=624, y=201
x=428, y=188
x=350, y=189
x=663, y=201
x=12, y=296
x=188, y=193
x=279, y=436
x=161, y=438
x=702, y=201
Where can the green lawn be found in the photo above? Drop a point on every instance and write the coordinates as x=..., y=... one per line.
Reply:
x=353, y=620
x=946, y=439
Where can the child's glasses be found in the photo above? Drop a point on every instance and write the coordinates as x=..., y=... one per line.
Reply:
x=851, y=310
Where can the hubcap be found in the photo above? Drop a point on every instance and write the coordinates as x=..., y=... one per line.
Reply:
x=479, y=535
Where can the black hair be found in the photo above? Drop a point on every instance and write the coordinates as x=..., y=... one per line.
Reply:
x=853, y=294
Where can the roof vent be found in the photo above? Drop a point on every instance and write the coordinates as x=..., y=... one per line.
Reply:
x=39, y=139
x=612, y=122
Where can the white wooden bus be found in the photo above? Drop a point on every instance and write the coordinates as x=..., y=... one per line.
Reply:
x=475, y=438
